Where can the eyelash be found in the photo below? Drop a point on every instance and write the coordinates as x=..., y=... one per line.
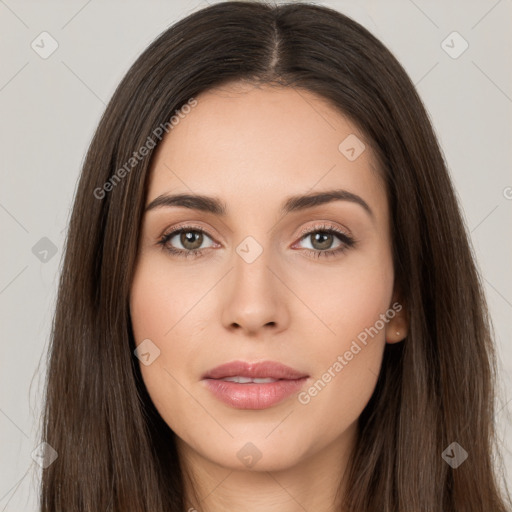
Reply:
x=347, y=241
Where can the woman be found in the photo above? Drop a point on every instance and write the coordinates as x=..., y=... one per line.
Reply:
x=203, y=356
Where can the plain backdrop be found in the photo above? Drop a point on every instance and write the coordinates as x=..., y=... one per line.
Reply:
x=50, y=107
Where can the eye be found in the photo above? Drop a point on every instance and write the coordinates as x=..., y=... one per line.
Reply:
x=322, y=238
x=191, y=239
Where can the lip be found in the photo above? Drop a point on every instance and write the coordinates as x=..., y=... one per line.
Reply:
x=252, y=395
x=263, y=369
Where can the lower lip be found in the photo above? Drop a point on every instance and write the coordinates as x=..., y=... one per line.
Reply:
x=253, y=396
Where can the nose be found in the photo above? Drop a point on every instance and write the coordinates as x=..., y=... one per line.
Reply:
x=255, y=297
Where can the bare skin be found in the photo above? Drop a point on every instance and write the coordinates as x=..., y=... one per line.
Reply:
x=252, y=148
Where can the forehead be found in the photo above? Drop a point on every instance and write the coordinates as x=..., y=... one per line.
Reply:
x=242, y=143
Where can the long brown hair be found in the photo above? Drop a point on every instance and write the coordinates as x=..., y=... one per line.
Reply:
x=115, y=452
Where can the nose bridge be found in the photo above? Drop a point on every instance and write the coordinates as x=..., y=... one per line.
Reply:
x=252, y=277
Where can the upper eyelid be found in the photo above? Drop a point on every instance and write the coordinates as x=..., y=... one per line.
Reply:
x=325, y=226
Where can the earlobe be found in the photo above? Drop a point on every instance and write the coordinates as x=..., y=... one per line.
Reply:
x=395, y=336
x=397, y=327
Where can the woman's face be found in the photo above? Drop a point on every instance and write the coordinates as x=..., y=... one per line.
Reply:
x=276, y=280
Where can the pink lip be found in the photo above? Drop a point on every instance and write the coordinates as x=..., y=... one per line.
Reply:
x=252, y=395
x=261, y=370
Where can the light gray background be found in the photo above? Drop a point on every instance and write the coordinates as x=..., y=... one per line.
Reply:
x=50, y=107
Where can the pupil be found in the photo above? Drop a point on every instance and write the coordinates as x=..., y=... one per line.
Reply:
x=323, y=240
x=188, y=238
x=327, y=239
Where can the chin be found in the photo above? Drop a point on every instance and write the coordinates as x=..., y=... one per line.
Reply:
x=252, y=451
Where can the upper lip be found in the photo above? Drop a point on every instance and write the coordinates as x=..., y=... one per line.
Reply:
x=258, y=370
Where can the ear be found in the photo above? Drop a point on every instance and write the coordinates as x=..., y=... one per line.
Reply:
x=397, y=327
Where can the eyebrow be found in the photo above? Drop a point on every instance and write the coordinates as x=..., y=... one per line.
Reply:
x=292, y=204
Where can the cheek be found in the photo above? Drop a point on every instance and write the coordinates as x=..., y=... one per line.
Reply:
x=348, y=355
x=348, y=300
x=158, y=300
x=160, y=304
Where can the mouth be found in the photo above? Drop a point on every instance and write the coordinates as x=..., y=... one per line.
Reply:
x=253, y=385
x=260, y=370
